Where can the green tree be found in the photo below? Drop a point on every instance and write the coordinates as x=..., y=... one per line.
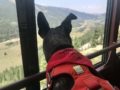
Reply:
x=98, y=36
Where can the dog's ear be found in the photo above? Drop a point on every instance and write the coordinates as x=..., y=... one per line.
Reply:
x=42, y=24
x=66, y=24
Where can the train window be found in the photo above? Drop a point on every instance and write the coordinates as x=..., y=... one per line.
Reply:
x=88, y=30
x=10, y=54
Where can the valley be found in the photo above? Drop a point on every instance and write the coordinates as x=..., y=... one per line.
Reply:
x=87, y=37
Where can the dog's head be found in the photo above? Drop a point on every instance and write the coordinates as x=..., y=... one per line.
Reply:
x=55, y=38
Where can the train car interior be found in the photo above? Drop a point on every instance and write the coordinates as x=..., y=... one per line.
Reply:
x=108, y=66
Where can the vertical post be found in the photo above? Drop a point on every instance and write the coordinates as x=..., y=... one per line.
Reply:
x=111, y=25
x=115, y=22
x=108, y=23
x=28, y=39
x=114, y=29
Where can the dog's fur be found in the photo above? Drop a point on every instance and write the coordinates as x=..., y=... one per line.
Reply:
x=55, y=39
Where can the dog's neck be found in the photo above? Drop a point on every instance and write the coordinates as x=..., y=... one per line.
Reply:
x=60, y=48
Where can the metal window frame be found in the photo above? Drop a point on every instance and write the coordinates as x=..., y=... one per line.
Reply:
x=111, y=27
x=28, y=39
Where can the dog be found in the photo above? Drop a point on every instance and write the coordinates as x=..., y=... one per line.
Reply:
x=57, y=41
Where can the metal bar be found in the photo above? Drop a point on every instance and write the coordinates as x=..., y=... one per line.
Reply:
x=28, y=81
x=28, y=39
x=40, y=76
x=107, y=49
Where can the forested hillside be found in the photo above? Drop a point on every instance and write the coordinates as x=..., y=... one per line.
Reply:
x=87, y=34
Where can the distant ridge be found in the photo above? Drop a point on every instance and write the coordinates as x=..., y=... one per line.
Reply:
x=55, y=15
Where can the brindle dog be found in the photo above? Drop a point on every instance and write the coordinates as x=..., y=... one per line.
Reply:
x=55, y=39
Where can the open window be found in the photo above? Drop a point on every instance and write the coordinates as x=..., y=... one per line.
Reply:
x=11, y=68
x=87, y=31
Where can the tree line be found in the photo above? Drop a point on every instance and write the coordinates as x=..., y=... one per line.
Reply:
x=94, y=37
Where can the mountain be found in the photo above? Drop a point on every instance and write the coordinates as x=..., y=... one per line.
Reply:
x=55, y=15
x=8, y=20
x=7, y=9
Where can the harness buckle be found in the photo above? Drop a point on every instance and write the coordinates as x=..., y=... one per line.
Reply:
x=78, y=69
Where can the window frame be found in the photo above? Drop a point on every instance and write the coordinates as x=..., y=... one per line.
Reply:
x=111, y=27
x=28, y=39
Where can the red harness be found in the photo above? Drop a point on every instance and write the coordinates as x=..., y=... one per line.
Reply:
x=73, y=63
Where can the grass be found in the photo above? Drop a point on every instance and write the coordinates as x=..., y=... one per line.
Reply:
x=10, y=55
x=11, y=61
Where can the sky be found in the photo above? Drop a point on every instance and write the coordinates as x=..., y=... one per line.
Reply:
x=88, y=6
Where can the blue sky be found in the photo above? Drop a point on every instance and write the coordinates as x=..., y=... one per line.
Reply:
x=89, y=6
